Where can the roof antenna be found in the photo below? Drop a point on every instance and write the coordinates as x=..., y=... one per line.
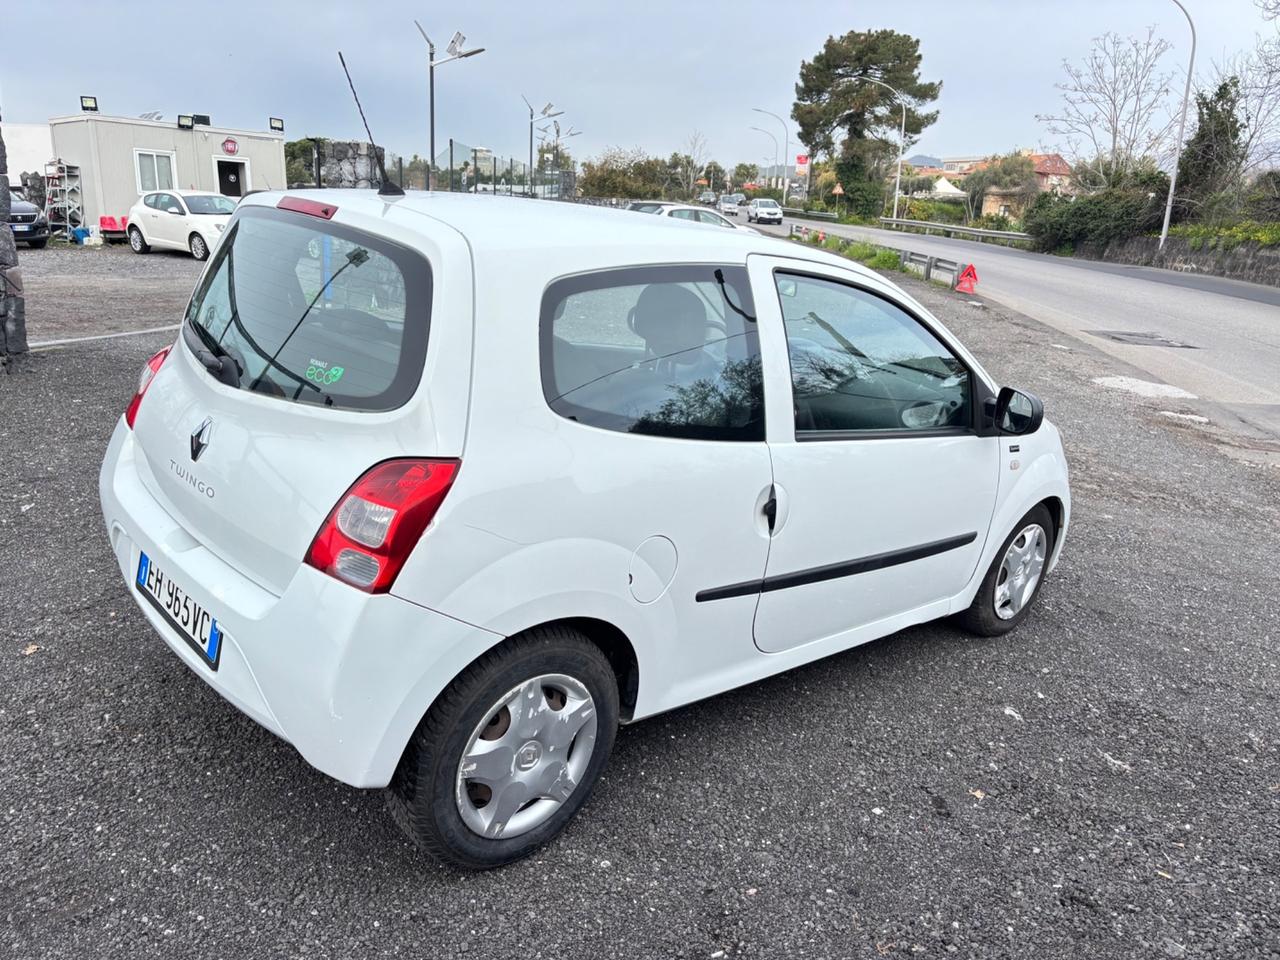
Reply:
x=387, y=188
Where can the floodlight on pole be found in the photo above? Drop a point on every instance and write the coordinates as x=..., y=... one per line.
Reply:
x=455, y=52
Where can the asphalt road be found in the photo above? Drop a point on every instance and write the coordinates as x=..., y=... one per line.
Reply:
x=1231, y=329
x=1103, y=783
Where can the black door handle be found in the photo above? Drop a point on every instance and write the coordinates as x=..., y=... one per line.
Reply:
x=770, y=508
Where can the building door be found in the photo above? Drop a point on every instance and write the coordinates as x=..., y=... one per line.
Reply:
x=231, y=178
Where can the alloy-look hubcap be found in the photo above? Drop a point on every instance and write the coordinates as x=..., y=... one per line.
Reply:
x=526, y=757
x=1020, y=571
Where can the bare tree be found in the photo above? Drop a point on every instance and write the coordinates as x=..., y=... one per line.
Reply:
x=695, y=148
x=1115, y=108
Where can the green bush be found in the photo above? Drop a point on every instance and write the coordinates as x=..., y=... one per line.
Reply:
x=993, y=221
x=1055, y=221
x=1249, y=231
x=834, y=243
x=885, y=260
x=861, y=251
x=934, y=211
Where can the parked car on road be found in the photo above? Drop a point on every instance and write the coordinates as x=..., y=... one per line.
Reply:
x=27, y=221
x=443, y=517
x=686, y=211
x=764, y=210
x=708, y=197
x=728, y=204
x=191, y=220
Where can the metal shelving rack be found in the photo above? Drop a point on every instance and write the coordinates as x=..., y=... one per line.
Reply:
x=64, y=199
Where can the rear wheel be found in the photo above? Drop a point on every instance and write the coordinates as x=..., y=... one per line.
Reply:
x=1014, y=578
x=199, y=249
x=509, y=752
x=137, y=242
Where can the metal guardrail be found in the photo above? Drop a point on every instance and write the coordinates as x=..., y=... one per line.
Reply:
x=927, y=264
x=809, y=214
x=952, y=229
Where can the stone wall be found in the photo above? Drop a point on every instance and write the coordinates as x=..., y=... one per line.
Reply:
x=346, y=163
x=1246, y=261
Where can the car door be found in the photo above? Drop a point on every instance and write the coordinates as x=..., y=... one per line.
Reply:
x=656, y=372
x=152, y=212
x=883, y=480
x=171, y=227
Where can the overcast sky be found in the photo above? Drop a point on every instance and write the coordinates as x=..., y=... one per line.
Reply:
x=626, y=74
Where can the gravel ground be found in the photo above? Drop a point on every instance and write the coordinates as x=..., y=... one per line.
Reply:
x=1105, y=782
x=82, y=291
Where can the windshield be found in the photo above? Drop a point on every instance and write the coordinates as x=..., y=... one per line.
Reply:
x=766, y=203
x=645, y=207
x=224, y=206
x=308, y=311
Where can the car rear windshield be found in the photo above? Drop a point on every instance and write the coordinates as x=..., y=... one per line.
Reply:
x=210, y=205
x=309, y=311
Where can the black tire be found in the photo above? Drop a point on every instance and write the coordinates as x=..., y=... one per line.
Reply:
x=137, y=241
x=199, y=249
x=38, y=244
x=421, y=795
x=981, y=617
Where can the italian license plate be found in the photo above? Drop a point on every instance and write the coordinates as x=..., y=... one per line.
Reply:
x=198, y=626
x=20, y=227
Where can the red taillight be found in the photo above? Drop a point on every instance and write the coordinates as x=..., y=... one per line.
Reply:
x=367, y=537
x=148, y=373
x=312, y=208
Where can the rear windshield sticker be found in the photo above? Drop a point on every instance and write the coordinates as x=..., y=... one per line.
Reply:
x=318, y=371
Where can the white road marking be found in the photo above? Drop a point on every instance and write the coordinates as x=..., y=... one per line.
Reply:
x=44, y=344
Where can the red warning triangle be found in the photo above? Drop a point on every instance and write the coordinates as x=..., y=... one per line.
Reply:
x=968, y=277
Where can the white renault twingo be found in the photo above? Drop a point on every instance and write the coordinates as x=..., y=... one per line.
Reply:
x=441, y=489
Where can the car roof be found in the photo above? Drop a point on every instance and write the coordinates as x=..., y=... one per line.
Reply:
x=507, y=223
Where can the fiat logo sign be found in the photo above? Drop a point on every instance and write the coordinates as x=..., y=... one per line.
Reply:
x=230, y=146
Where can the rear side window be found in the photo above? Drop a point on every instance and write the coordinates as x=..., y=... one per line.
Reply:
x=313, y=312
x=665, y=351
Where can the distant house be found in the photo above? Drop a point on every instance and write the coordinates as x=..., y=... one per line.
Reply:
x=1053, y=175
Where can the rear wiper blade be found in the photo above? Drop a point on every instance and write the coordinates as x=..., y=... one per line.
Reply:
x=215, y=359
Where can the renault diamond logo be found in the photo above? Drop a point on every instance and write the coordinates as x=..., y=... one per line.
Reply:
x=200, y=438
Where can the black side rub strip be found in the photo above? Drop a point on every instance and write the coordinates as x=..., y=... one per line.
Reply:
x=833, y=571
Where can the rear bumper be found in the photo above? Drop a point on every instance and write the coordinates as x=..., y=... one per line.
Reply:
x=341, y=675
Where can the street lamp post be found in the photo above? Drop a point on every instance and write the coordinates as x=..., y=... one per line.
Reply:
x=902, y=139
x=1182, y=123
x=775, y=152
x=546, y=113
x=786, y=151
x=455, y=52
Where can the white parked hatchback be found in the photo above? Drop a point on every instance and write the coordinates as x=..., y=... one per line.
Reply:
x=191, y=220
x=443, y=488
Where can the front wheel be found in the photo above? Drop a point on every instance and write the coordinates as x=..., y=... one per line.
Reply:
x=1014, y=578
x=199, y=249
x=137, y=242
x=38, y=244
x=509, y=752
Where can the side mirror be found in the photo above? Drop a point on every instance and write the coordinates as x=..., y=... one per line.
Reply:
x=786, y=288
x=174, y=210
x=1017, y=412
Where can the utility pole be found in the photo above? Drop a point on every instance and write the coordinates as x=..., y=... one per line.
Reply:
x=1182, y=123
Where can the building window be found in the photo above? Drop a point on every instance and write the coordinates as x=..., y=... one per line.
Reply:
x=155, y=170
